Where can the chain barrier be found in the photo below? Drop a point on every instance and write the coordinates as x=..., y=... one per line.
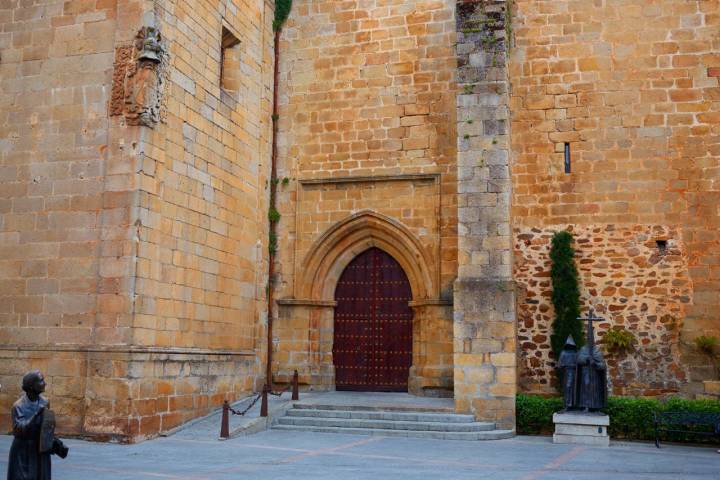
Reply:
x=227, y=409
x=280, y=392
x=252, y=404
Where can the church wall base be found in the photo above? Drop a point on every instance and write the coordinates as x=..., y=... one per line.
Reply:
x=485, y=359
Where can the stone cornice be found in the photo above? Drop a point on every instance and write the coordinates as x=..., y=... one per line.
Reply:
x=305, y=302
x=428, y=302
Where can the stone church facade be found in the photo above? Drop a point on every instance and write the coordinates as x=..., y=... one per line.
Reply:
x=426, y=152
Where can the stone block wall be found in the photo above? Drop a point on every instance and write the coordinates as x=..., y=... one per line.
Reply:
x=484, y=327
x=367, y=135
x=367, y=92
x=632, y=87
x=202, y=218
x=135, y=254
x=56, y=61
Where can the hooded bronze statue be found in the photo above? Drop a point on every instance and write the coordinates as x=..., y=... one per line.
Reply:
x=592, y=372
x=34, y=431
x=568, y=367
x=583, y=374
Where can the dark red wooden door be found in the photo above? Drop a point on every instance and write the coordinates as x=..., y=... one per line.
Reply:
x=372, y=349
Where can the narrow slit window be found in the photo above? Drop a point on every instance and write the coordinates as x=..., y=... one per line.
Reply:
x=568, y=165
x=230, y=63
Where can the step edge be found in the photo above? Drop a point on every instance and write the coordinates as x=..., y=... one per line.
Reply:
x=488, y=435
x=369, y=408
x=401, y=426
x=440, y=417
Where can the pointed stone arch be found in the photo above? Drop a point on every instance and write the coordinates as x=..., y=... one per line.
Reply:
x=337, y=247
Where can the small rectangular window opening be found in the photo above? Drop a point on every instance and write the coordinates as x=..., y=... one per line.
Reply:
x=662, y=246
x=230, y=62
x=567, y=157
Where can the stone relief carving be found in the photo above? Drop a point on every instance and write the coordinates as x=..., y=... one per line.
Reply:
x=138, y=79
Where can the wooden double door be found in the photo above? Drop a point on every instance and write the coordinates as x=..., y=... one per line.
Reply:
x=372, y=349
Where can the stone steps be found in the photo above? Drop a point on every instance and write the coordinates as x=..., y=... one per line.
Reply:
x=387, y=424
x=370, y=408
x=383, y=415
x=390, y=421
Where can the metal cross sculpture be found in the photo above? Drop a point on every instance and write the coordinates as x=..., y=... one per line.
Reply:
x=590, y=333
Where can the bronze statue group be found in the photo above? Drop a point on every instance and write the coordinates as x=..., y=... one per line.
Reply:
x=584, y=373
x=33, y=426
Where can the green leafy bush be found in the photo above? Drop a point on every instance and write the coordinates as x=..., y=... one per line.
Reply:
x=566, y=293
x=630, y=418
x=618, y=339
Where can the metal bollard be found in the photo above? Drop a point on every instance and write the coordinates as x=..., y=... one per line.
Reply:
x=264, y=402
x=225, y=424
x=295, y=392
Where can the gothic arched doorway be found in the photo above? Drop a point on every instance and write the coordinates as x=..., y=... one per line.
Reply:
x=372, y=347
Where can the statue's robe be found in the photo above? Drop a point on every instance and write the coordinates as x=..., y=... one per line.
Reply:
x=592, y=379
x=568, y=367
x=26, y=462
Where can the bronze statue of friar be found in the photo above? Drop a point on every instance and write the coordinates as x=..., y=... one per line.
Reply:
x=34, y=430
x=584, y=373
x=568, y=366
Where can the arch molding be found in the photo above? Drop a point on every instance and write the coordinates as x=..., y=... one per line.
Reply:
x=337, y=247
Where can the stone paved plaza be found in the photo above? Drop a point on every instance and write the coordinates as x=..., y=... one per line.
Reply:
x=289, y=455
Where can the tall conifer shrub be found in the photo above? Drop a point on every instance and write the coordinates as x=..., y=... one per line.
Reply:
x=282, y=11
x=566, y=293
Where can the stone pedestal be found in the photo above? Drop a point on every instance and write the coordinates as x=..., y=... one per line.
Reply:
x=711, y=390
x=581, y=428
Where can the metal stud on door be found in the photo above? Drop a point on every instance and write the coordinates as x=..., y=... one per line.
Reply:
x=372, y=349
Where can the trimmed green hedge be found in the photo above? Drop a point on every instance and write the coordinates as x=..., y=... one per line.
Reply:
x=630, y=418
x=534, y=414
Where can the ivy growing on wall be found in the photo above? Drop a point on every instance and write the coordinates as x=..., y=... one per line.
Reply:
x=273, y=215
x=566, y=293
x=282, y=11
x=508, y=23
